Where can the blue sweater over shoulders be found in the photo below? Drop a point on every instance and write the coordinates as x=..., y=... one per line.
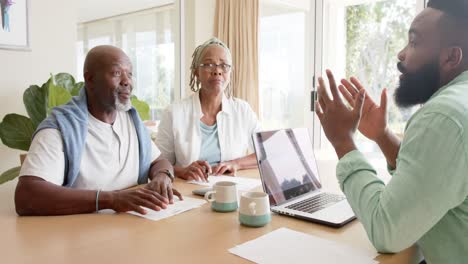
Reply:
x=71, y=120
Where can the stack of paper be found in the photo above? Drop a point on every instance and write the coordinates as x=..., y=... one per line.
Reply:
x=243, y=184
x=173, y=209
x=287, y=246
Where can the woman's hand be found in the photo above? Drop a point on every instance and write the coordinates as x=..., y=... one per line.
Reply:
x=197, y=170
x=227, y=167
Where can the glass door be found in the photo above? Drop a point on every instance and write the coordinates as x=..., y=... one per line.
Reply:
x=362, y=38
x=286, y=31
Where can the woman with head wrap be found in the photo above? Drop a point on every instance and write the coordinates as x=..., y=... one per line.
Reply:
x=210, y=131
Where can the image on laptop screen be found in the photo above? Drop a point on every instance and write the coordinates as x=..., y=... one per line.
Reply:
x=287, y=163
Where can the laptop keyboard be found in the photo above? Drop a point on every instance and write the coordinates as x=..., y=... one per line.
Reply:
x=316, y=202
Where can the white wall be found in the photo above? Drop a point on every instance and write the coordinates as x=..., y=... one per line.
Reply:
x=53, y=36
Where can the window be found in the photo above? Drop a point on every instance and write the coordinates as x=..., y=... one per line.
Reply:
x=362, y=38
x=284, y=63
x=299, y=39
x=149, y=38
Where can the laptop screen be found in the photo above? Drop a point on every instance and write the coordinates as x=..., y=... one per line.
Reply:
x=287, y=163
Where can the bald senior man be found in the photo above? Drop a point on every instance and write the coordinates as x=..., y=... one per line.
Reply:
x=86, y=154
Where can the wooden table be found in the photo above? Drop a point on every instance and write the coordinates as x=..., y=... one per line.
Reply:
x=196, y=236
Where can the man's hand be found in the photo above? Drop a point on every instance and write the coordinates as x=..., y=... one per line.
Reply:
x=162, y=184
x=133, y=199
x=373, y=123
x=338, y=121
x=227, y=167
x=197, y=170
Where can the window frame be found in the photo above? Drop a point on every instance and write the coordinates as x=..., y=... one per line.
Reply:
x=319, y=138
x=178, y=22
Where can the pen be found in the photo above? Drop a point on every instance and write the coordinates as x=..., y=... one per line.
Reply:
x=205, y=169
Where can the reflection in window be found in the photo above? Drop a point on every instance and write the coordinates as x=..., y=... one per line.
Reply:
x=284, y=180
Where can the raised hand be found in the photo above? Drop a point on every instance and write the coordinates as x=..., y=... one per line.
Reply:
x=339, y=122
x=373, y=123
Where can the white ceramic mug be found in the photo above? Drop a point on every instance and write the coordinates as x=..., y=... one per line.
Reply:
x=223, y=198
x=254, y=209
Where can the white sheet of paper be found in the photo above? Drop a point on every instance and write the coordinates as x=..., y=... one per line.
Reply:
x=173, y=209
x=243, y=184
x=288, y=246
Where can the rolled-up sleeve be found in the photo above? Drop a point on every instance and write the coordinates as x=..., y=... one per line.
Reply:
x=428, y=181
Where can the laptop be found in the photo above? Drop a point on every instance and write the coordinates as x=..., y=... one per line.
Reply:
x=289, y=175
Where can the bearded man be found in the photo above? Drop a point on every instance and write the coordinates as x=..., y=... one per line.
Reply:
x=426, y=201
x=86, y=154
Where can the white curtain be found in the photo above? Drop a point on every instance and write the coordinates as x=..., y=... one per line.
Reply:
x=236, y=24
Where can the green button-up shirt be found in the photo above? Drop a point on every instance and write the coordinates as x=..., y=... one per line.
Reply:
x=426, y=201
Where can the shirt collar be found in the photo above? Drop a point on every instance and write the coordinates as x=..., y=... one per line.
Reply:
x=226, y=107
x=462, y=77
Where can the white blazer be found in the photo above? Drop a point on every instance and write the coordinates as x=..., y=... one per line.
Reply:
x=179, y=136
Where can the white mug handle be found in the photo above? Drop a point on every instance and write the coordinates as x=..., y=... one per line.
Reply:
x=252, y=206
x=209, y=196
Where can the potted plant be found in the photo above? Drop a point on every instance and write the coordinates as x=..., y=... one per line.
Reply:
x=16, y=130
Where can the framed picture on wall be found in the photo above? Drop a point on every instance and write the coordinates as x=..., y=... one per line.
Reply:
x=14, y=26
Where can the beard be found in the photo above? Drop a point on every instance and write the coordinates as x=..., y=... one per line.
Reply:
x=417, y=87
x=122, y=106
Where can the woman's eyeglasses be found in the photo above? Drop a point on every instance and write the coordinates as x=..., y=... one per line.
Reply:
x=211, y=67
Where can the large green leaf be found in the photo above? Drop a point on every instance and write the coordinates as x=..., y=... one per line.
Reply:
x=65, y=80
x=142, y=108
x=35, y=101
x=77, y=88
x=57, y=96
x=16, y=131
x=10, y=174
